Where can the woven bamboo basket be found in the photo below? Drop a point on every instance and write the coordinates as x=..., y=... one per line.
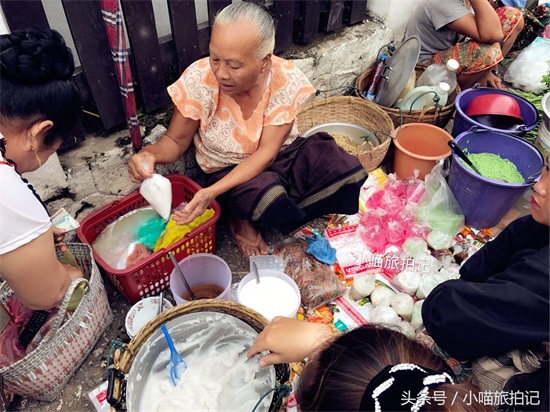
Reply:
x=436, y=116
x=255, y=320
x=353, y=110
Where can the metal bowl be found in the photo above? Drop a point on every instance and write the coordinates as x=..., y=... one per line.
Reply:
x=356, y=133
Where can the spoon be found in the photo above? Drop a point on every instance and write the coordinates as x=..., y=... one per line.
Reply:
x=255, y=271
x=178, y=269
x=161, y=303
x=175, y=359
x=454, y=147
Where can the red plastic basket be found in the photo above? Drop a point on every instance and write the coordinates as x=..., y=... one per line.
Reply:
x=151, y=275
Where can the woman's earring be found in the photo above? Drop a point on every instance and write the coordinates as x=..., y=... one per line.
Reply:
x=37, y=158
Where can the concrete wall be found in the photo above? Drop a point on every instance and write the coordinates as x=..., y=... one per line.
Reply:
x=95, y=173
x=394, y=13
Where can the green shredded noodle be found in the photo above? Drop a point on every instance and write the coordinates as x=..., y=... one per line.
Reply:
x=492, y=166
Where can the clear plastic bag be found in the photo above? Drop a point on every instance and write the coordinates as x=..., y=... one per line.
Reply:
x=527, y=69
x=440, y=210
x=317, y=282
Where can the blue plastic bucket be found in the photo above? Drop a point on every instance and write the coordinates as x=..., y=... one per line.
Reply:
x=463, y=123
x=485, y=201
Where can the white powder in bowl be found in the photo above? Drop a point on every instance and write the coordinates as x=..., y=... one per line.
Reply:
x=271, y=297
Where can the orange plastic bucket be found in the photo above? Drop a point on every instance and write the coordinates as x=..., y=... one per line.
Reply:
x=418, y=147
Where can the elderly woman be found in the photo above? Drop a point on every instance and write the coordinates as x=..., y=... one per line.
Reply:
x=239, y=106
x=475, y=33
x=39, y=105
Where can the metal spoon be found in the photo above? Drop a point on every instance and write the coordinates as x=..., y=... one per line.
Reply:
x=256, y=273
x=161, y=303
x=178, y=269
x=454, y=147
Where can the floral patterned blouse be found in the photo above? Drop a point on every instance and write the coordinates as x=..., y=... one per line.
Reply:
x=224, y=137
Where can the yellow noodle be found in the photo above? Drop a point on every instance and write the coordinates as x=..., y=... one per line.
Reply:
x=345, y=142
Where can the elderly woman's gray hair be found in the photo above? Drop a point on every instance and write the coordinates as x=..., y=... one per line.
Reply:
x=257, y=14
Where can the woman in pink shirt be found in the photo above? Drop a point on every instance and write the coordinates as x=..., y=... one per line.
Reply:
x=238, y=107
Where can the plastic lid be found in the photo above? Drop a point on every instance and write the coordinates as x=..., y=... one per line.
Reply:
x=452, y=65
x=444, y=87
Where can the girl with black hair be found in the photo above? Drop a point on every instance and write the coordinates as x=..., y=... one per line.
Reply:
x=370, y=368
x=39, y=105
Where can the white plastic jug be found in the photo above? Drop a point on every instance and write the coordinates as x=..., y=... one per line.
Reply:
x=422, y=96
x=157, y=190
x=437, y=73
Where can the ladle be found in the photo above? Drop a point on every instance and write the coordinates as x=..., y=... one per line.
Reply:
x=178, y=269
x=175, y=358
x=454, y=147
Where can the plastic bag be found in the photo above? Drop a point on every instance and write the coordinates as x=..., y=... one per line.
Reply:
x=317, y=282
x=527, y=69
x=119, y=239
x=157, y=190
x=440, y=210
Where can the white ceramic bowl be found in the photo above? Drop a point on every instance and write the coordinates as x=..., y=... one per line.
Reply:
x=276, y=295
x=142, y=312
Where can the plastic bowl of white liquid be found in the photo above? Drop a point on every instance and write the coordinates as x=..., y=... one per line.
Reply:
x=276, y=295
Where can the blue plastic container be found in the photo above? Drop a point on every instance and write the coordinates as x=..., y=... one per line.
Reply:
x=463, y=123
x=485, y=201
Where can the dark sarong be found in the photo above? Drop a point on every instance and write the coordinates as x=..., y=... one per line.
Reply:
x=310, y=178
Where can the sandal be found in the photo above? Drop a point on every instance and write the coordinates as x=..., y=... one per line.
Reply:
x=243, y=241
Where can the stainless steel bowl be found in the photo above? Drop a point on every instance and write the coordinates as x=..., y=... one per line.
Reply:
x=355, y=132
x=218, y=328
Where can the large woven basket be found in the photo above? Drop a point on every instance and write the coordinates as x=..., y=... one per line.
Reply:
x=45, y=371
x=436, y=116
x=353, y=110
x=255, y=320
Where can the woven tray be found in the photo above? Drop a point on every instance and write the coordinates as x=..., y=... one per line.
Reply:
x=247, y=315
x=436, y=116
x=353, y=110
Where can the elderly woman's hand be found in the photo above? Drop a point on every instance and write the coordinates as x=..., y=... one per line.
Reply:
x=289, y=340
x=141, y=166
x=196, y=207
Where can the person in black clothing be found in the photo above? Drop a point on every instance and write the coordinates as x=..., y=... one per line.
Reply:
x=501, y=301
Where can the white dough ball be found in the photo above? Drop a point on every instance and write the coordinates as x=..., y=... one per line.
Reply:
x=381, y=296
x=363, y=285
x=403, y=304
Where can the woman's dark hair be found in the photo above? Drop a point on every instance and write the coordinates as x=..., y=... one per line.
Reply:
x=336, y=376
x=36, y=68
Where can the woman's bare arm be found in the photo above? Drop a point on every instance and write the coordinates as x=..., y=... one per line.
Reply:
x=482, y=26
x=33, y=272
x=168, y=149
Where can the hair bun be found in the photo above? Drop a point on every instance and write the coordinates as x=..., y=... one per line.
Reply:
x=35, y=56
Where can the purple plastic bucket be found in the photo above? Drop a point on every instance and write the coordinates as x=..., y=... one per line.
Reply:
x=463, y=123
x=485, y=201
